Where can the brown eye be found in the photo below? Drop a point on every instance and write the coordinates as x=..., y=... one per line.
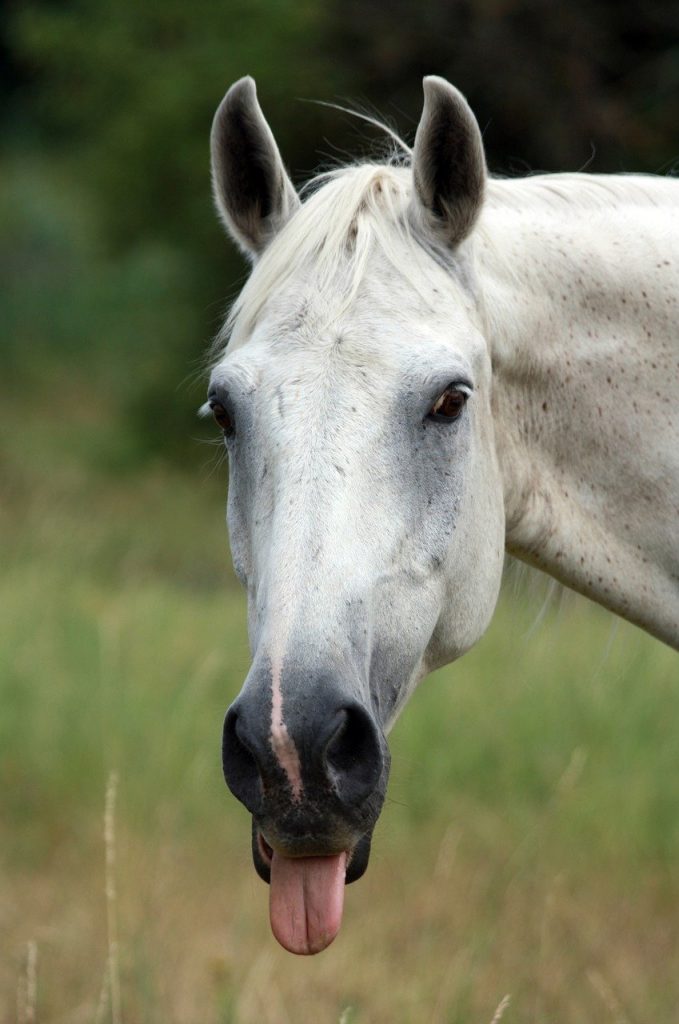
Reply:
x=449, y=405
x=222, y=418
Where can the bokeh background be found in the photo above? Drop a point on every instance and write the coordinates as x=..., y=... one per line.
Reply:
x=530, y=845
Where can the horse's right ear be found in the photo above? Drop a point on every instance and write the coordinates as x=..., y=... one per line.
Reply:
x=449, y=165
x=253, y=193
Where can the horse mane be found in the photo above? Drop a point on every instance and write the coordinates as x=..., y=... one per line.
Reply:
x=350, y=210
x=580, y=191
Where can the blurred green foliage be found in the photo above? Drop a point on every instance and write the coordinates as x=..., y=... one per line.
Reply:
x=553, y=86
x=116, y=272
x=116, y=269
x=129, y=90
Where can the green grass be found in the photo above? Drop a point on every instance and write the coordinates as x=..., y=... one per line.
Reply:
x=530, y=842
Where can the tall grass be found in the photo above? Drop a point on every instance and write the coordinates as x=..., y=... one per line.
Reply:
x=530, y=842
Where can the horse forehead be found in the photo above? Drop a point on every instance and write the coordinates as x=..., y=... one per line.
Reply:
x=303, y=337
x=367, y=325
x=287, y=376
x=360, y=368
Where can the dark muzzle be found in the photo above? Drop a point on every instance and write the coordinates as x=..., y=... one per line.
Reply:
x=342, y=764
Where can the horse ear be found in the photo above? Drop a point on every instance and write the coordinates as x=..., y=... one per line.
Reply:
x=449, y=166
x=253, y=193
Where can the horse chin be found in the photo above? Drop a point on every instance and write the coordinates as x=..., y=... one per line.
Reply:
x=357, y=857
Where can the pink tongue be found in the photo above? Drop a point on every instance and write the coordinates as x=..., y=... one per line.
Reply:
x=306, y=901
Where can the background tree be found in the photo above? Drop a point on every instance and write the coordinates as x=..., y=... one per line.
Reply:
x=116, y=267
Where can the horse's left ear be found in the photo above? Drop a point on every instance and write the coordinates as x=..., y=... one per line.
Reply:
x=449, y=165
x=253, y=193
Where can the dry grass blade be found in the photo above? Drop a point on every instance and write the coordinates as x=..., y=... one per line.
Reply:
x=102, y=1005
x=111, y=900
x=500, y=1012
x=27, y=994
x=607, y=996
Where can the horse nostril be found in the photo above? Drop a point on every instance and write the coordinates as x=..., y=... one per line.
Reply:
x=341, y=748
x=241, y=770
x=354, y=755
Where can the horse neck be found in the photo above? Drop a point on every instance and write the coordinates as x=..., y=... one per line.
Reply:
x=581, y=315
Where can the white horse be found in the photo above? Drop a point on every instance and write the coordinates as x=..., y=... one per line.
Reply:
x=425, y=368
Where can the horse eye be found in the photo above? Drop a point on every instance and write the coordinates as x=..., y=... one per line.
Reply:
x=449, y=405
x=222, y=418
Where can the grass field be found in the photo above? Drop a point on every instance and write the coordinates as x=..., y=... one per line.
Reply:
x=530, y=842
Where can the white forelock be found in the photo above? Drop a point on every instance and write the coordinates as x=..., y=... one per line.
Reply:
x=329, y=240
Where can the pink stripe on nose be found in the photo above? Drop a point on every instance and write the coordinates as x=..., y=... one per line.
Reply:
x=282, y=743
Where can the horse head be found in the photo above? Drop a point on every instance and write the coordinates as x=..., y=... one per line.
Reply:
x=365, y=506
